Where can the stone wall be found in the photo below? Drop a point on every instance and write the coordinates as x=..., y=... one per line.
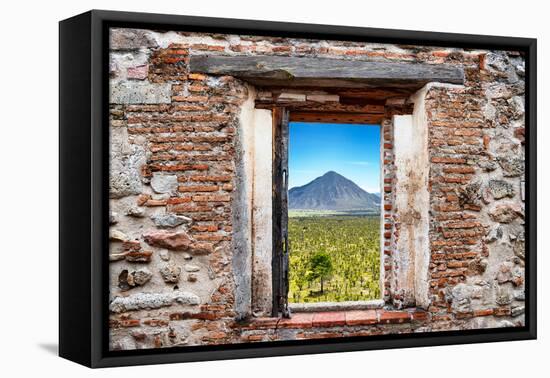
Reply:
x=179, y=235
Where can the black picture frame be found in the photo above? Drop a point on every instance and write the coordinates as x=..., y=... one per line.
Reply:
x=83, y=181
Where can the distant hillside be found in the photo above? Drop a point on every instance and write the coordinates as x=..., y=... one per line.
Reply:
x=332, y=191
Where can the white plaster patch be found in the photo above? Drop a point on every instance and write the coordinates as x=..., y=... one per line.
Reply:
x=412, y=202
x=262, y=210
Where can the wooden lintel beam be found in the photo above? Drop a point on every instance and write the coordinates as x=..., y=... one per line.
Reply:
x=336, y=117
x=325, y=72
x=309, y=106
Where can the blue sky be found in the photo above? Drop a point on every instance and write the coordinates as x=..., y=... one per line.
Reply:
x=351, y=150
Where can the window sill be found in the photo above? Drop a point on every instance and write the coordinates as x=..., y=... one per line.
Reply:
x=336, y=306
x=341, y=318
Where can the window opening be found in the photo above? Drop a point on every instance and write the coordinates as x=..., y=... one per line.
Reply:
x=334, y=197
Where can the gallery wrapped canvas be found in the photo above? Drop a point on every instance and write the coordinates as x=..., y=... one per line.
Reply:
x=251, y=188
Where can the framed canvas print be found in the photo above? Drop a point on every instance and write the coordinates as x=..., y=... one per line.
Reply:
x=233, y=188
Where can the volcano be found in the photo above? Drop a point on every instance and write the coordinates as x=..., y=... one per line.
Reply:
x=332, y=191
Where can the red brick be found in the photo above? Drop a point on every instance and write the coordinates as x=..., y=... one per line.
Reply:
x=298, y=320
x=260, y=323
x=463, y=225
x=223, y=178
x=204, y=46
x=190, y=98
x=219, y=198
x=177, y=200
x=180, y=167
x=441, y=54
x=394, y=317
x=211, y=237
x=319, y=335
x=282, y=49
x=129, y=323
x=253, y=338
x=458, y=264
x=419, y=315
x=485, y=312
x=155, y=322
x=183, y=208
x=143, y=256
x=152, y=203
x=211, y=228
x=197, y=76
x=197, y=88
x=456, y=180
x=520, y=134
x=329, y=319
x=486, y=141
x=502, y=311
x=464, y=170
x=472, y=207
x=449, y=207
x=468, y=132
x=447, y=160
x=131, y=246
x=464, y=315
x=198, y=188
x=142, y=199
x=216, y=335
x=361, y=317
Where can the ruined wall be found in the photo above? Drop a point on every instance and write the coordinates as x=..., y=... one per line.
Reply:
x=477, y=173
x=181, y=237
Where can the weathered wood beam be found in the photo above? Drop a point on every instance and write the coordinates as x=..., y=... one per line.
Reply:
x=336, y=117
x=324, y=72
x=331, y=107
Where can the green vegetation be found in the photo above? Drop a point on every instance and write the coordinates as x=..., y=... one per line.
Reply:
x=320, y=267
x=334, y=258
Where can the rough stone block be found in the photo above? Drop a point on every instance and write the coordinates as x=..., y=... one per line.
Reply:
x=500, y=189
x=169, y=220
x=128, y=280
x=126, y=161
x=129, y=39
x=168, y=240
x=140, y=93
x=164, y=183
x=143, y=301
x=170, y=273
x=505, y=213
x=191, y=268
x=138, y=72
x=512, y=166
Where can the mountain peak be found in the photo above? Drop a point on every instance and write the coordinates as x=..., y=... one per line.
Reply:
x=332, y=191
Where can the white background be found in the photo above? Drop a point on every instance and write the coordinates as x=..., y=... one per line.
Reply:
x=29, y=186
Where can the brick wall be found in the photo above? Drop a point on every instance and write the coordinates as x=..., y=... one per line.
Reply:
x=175, y=153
